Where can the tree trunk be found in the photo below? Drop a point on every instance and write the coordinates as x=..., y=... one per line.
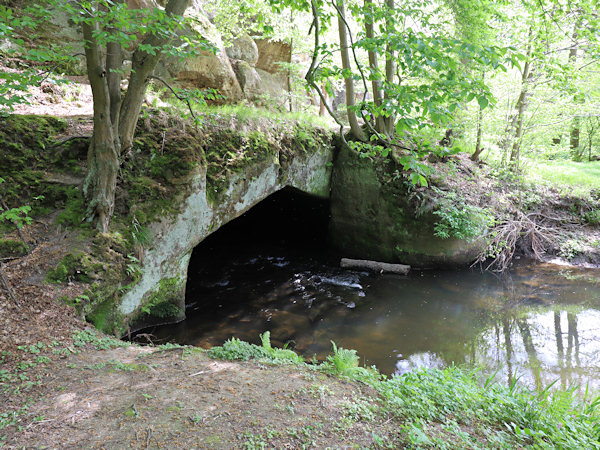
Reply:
x=322, y=100
x=390, y=68
x=103, y=159
x=521, y=108
x=114, y=121
x=374, y=65
x=478, y=149
x=349, y=82
x=575, y=127
x=142, y=66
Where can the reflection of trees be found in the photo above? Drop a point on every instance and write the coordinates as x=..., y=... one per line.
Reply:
x=534, y=361
x=509, y=348
x=568, y=353
x=572, y=340
x=560, y=349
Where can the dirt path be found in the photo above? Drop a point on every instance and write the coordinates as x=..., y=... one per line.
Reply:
x=135, y=397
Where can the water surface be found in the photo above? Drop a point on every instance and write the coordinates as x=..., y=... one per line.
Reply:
x=539, y=322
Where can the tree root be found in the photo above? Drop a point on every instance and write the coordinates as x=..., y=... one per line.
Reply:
x=535, y=231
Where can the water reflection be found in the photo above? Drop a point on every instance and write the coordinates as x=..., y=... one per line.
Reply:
x=539, y=323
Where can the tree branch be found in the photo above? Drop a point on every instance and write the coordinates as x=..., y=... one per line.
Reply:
x=183, y=99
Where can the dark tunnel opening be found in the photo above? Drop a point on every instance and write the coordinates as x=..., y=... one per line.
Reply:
x=236, y=262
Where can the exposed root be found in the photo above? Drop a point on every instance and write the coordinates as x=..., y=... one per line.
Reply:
x=535, y=232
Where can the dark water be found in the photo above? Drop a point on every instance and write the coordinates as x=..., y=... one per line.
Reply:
x=539, y=322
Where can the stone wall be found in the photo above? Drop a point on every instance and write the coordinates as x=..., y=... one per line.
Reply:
x=373, y=219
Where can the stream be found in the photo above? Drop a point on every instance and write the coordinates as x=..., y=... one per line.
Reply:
x=272, y=270
x=538, y=322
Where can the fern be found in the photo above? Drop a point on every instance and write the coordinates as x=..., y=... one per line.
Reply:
x=344, y=361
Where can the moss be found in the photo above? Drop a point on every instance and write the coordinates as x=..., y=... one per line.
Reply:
x=163, y=302
x=229, y=152
x=74, y=212
x=71, y=267
x=168, y=166
x=12, y=248
x=28, y=157
x=104, y=315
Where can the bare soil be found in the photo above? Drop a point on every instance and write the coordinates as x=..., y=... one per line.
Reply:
x=139, y=398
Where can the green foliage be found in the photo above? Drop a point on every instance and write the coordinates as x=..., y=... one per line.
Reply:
x=140, y=235
x=515, y=416
x=592, y=217
x=343, y=361
x=570, y=248
x=457, y=219
x=163, y=302
x=19, y=215
x=12, y=248
x=69, y=268
x=96, y=340
x=235, y=349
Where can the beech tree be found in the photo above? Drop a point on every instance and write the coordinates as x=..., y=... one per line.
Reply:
x=108, y=27
x=112, y=32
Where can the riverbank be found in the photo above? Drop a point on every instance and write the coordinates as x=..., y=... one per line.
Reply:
x=91, y=390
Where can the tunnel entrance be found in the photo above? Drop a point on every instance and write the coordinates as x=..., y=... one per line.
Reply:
x=288, y=224
x=271, y=269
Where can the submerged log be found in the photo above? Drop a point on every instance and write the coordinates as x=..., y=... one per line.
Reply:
x=375, y=266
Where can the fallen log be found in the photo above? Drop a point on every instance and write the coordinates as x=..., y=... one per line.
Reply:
x=374, y=266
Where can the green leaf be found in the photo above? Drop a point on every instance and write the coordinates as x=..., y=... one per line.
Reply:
x=483, y=102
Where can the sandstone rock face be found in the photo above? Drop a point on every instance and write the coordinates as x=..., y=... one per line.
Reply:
x=249, y=79
x=371, y=221
x=208, y=70
x=244, y=49
x=270, y=53
x=257, y=77
x=166, y=263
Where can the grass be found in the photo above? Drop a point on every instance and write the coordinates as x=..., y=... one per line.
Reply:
x=452, y=407
x=247, y=114
x=477, y=413
x=576, y=177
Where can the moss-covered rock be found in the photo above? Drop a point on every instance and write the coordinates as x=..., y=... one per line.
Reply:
x=10, y=248
x=178, y=183
x=374, y=217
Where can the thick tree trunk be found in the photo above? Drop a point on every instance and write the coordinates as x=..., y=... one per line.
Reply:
x=103, y=158
x=114, y=121
x=142, y=66
x=349, y=82
x=374, y=65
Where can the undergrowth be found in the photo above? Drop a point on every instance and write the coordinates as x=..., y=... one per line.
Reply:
x=235, y=349
x=452, y=407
